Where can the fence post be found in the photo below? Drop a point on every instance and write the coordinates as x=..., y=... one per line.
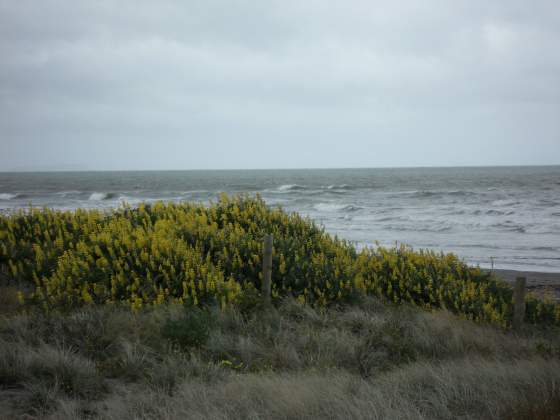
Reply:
x=267, y=268
x=519, y=302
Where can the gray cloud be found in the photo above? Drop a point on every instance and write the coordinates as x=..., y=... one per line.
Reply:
x=233, y=84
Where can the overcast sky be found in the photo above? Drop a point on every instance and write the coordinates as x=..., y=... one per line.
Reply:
x=188, y=84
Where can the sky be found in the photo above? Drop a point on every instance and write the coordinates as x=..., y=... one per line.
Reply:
x=175, y=84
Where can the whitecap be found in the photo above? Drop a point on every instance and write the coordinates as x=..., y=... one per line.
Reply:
x=504, y=203
x=339, y=187
x=7, y=196
x=329, y=206
x=290, y=187
x=100, y=196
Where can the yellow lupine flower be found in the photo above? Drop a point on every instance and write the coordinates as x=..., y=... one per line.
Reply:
x=191, y=249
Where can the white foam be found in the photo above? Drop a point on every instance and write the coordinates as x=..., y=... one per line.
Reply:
x=333, y=207
x=98, y=196
x=329, y=206
x=7, y=196
x=290, y=187
x=339, y=187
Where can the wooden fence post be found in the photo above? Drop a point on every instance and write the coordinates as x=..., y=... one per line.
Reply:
x=519, y=302
x=267, y=268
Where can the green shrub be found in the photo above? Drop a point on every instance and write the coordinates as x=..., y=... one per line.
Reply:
x=190, y=330
x=249, y=300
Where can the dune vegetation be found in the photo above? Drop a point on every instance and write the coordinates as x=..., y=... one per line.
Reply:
x=365, y=360
x=200, y=255
x=155, y=312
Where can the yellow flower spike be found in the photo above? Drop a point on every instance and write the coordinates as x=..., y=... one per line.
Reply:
x=20, y=297
x=86, y=297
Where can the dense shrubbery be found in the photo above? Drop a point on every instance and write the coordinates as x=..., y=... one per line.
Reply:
x=189, y=253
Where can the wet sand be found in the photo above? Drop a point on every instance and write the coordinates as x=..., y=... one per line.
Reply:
x=540, y=284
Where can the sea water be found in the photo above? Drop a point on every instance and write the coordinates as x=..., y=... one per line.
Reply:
x=510, y=215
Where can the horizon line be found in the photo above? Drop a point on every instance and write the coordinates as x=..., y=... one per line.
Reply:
x=278, y=169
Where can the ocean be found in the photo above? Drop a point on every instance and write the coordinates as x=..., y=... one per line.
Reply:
x=508, y=215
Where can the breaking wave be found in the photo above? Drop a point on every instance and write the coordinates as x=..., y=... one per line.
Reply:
x=291, y=187
x=101, y=196
x=501, y=210
x=7, y=196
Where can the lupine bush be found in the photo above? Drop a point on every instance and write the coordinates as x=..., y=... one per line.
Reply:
x=194, y=254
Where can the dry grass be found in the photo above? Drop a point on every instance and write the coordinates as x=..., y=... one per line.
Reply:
x=462, y=388
x=369, y=360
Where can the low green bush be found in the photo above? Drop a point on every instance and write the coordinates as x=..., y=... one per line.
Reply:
x=191, y=330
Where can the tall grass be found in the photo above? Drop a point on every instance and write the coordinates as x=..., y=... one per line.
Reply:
x=366, y=360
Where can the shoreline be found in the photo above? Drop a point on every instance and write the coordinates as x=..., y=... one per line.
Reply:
x=539, y=283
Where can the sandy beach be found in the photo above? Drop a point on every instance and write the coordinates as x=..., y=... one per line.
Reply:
x=539, y=283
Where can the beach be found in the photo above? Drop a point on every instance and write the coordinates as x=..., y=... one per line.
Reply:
x=541, y=284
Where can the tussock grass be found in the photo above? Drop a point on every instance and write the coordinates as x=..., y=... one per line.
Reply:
x=367, y=360
x=56, y=367
x=474, y=389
